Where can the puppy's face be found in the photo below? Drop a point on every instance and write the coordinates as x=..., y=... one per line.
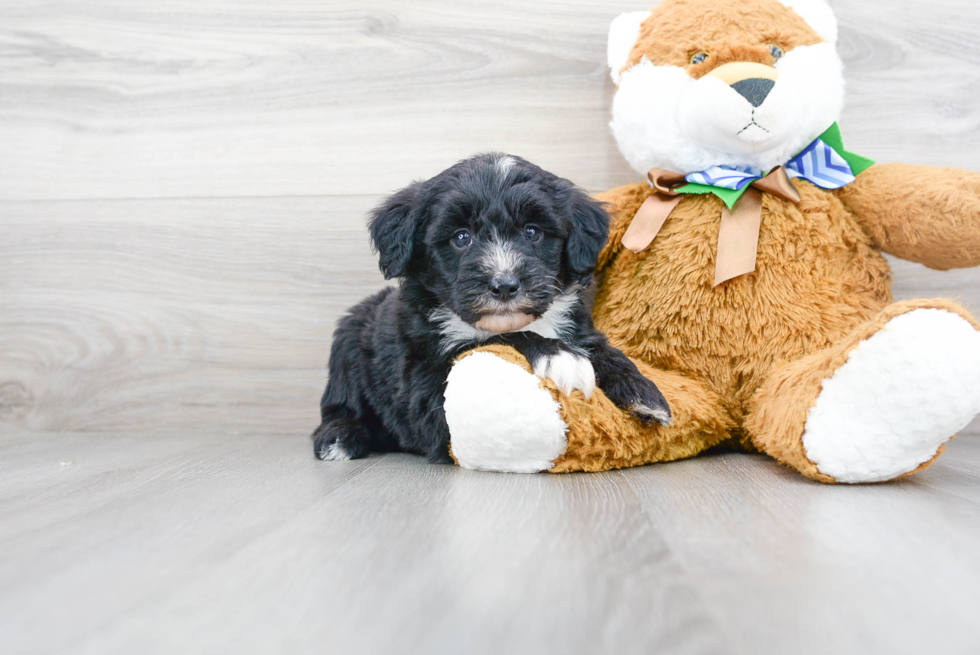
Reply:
x=495, y=243
x=495, y=239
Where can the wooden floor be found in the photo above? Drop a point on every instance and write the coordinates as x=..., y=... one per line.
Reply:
x=182, y=195
x=201, y=543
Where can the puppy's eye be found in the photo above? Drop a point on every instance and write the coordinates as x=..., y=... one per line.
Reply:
x=699, y=58
x=533, y=233
x=462, y=239
x=777, y=52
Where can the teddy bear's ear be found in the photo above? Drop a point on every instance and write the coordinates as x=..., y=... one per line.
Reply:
x=818, y=14
x=623, y=33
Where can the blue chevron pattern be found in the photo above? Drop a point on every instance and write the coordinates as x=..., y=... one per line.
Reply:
x=819, y=164
x=735, y=179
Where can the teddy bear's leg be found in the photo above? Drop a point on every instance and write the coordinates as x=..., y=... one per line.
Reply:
x=879, y=405
x=504, y=418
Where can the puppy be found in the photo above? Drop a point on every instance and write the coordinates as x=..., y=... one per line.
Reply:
x=492, y=250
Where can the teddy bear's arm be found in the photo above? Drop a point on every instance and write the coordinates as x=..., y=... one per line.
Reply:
x=919, y=213
x=622, y=203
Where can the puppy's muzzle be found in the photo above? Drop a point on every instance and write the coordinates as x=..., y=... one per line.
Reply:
x=503, y=287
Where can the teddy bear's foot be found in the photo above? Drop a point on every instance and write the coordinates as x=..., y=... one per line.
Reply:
x=500, y=417
x=878, y=406
x=902, y=394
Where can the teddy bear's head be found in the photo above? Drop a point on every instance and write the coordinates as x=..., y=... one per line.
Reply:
x=737, y=83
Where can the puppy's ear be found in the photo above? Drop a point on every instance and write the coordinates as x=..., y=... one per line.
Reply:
x=393, y=227
x=588, y=235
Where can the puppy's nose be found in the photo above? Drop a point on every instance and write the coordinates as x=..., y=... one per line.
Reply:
x=755, y=90
x=504, y=287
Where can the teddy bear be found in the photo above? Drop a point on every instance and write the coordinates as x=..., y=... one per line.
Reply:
x=745, y=275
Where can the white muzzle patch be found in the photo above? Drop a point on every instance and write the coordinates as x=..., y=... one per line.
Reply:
x=501, y=258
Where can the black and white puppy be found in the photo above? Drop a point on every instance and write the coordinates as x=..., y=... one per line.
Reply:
x=492, y=250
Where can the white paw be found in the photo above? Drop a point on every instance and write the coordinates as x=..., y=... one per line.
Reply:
x=500, y=419
x=901, y=394
x=569, y=372
x=333, y=453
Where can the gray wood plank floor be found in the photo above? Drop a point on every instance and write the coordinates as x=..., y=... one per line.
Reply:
x=182, y=192
x=201, y=543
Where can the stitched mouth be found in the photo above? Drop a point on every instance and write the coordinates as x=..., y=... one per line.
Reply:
x=751, y=124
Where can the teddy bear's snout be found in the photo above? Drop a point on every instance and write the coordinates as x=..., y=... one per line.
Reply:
x=755, y=90
x=752, y=81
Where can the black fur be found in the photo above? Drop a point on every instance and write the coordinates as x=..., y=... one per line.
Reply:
x=389, y=361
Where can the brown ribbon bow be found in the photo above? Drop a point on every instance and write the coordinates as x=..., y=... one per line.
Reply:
x=738, y=237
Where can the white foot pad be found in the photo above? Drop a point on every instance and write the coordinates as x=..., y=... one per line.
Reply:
x=901, y=394
x=500, y=419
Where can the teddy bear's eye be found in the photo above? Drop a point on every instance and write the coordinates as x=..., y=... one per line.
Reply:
x=776, y=51
x=699, y=58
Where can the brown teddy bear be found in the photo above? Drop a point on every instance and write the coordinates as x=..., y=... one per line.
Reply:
x=746, y=276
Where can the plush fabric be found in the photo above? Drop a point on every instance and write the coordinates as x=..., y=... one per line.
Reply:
x=919, y=213
x=778, y=410
x=661, y=306
x=807, y=358
x=672, y=113
x=680, y=28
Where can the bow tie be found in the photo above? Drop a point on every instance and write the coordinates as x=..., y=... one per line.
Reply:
x=824, y=163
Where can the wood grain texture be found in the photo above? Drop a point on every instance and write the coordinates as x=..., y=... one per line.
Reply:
x=176, y=311
x=204, y=543
x=110, y=99
x=160, y=315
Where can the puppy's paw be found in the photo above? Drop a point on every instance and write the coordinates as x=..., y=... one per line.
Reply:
x=656, y=414
x=649, y=404
x=340, y=439
x=440, y=456
x=569, y=371
x=640, y=397
x=330, y=452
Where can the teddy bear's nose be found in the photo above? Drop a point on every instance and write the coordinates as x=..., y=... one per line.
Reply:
x=755, y=89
